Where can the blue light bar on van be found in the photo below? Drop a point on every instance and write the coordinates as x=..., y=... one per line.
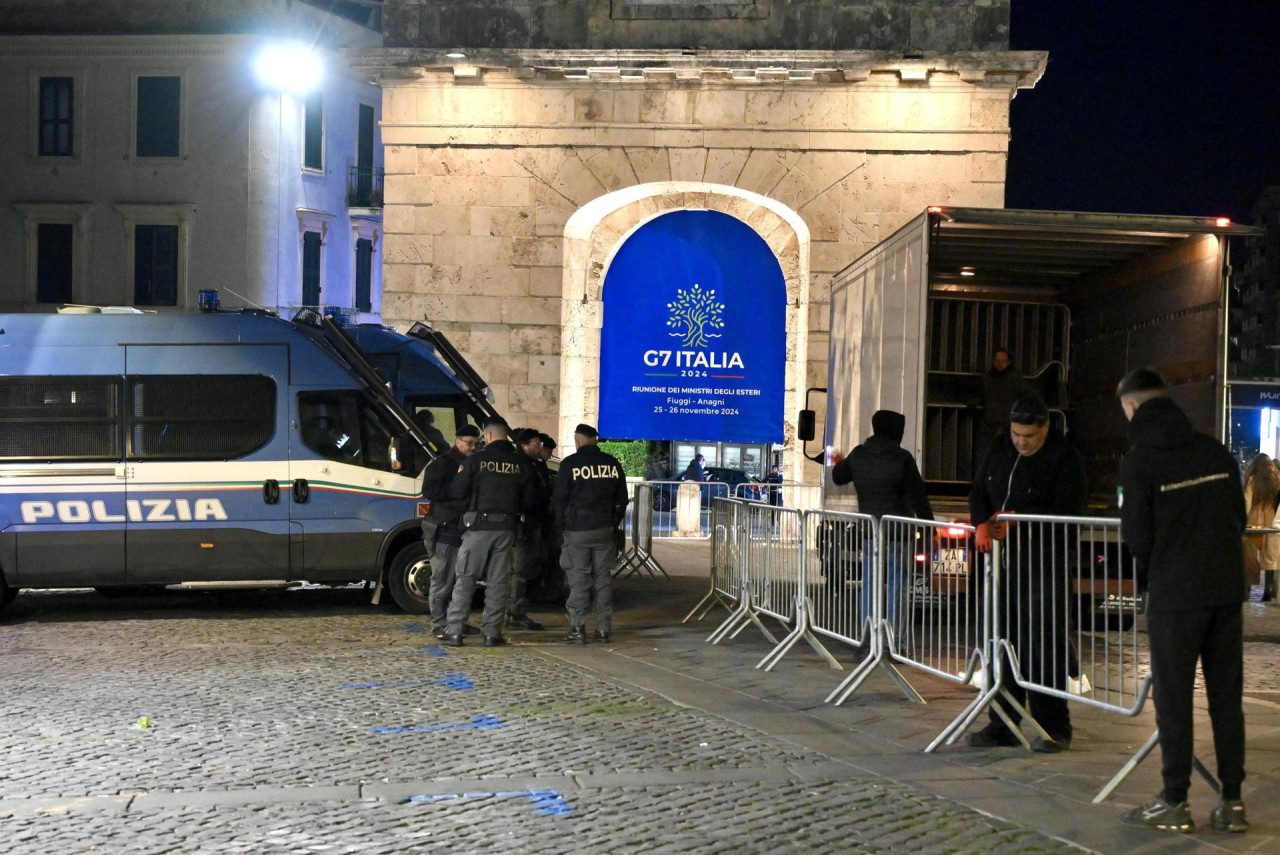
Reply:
x=207, y=300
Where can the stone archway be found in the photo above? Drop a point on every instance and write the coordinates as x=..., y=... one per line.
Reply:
x=593, y=235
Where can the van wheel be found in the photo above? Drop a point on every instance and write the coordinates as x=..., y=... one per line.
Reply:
x=409, y=578
x=7, y=593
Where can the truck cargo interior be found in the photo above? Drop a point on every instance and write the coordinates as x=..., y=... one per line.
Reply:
x=1076, y=299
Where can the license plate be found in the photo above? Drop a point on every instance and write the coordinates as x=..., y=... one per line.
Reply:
x=951, y=562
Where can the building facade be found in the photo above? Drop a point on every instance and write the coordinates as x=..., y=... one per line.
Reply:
x=146, y=158
x=527, y=141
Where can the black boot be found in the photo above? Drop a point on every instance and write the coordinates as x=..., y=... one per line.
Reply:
x=577, y=635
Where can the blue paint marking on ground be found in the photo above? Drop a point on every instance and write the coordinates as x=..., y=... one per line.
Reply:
x=9, y=635
x=483, y=721
x=545, y=802
x=415, y=628
x=455, y=681
x=428, y=650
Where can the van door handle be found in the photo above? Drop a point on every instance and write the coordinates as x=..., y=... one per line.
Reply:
x=271, y=491
x=301, y=491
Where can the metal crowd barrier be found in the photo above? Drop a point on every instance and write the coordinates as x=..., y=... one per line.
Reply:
x=726, y=560
x=640, y=555
x=929, y=612
x=834, y=601
x=666, y=507
x=1053, y=609
x=782, y=494
x=764, y=555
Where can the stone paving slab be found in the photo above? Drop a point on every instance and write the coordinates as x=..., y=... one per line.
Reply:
x=256, y=746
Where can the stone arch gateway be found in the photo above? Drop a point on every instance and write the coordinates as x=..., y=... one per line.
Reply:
x=595, y=234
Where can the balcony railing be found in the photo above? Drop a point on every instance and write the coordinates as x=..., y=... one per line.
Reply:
x=364, y=186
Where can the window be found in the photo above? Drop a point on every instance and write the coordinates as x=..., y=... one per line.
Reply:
x=160, y=237
x=313, y=131
x=364, y=274
x=200, y=417
x=345, y=427
x=159, y=116
x=155, y=265
x=55, y=262
x=57, y=117
x=59, y=418
x=311, y=244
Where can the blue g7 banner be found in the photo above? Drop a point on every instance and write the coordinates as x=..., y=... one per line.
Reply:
x=694, y=339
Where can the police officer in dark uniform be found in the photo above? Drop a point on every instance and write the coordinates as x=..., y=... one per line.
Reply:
x=527, y=568
x=498, y=487
x=590, y=500
x=443, y=533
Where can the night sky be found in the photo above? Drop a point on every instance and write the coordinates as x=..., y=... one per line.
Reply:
x=1147, y=107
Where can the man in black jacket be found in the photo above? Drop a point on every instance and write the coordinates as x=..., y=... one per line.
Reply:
x=447, y=514
x=1032, y=470
x=1182, y=515
x=888, y=483
x=590, y=500
x=498, y=487
x=526, y=570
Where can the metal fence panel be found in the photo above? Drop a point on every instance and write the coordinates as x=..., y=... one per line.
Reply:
x=1068, y=609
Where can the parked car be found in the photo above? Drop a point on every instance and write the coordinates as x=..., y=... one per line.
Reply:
x=722, y=483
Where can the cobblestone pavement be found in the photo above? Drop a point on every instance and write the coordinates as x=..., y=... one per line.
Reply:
x=307, y=721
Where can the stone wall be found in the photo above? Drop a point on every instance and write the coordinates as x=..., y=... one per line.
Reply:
x=940, y=25
x=487, y=163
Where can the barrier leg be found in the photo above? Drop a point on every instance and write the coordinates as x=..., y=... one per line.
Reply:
x=738, y=621
x=801, y=631
x=711, y=600
x=1130, y=764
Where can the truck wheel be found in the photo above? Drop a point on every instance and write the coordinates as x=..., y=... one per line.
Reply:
x=409, y=578
x=661, y=501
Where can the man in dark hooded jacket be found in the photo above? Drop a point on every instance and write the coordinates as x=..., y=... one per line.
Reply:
x=1031, y=470
x=1182, y=515
x=888, y=483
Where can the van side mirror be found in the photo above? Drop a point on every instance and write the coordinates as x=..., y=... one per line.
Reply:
x=805, y=425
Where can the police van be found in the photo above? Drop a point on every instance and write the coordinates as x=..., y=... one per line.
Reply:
x=426, y=374
x=217, y=449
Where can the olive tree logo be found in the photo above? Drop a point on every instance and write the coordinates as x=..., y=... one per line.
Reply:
x=694, y=314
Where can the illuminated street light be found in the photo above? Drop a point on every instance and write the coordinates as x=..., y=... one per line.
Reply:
x=292, y=68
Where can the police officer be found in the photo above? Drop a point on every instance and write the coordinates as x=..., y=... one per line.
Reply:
x=1182, y=515
x=443, y=535
x=497, y=486
x=590, y=500
x=527, y=569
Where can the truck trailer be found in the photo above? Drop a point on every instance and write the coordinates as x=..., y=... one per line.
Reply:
x=1077, y=300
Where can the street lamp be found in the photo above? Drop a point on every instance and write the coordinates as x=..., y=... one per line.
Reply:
x=290, y=68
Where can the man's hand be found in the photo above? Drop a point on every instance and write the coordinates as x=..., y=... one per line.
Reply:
x=987, y=533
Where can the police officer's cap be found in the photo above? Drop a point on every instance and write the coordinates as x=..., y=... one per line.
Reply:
x=468, y=430
x=586, y=430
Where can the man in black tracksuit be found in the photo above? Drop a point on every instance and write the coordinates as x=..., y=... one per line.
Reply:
x=888, y=483
x=447, y=514
x=1031, y=470
x=590, y=500
x=498, y=487
x=1182, y=515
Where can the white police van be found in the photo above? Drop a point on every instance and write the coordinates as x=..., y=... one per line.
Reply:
x=210, y=449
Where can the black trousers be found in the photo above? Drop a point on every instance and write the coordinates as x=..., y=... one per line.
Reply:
x=1215, y=636
x=1033, y=610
